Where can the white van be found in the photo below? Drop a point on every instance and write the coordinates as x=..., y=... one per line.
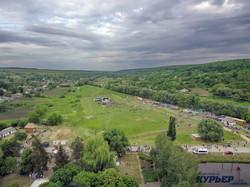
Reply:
x=201, y=151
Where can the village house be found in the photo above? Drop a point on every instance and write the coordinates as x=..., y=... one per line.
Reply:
x=6, y=132
x=30, y=128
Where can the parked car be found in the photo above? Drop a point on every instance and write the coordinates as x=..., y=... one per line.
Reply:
x=200, y=151
x=229, y=153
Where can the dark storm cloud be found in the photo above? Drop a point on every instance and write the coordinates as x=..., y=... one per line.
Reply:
x=96, y=34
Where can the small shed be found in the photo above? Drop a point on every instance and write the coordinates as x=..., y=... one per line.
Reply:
x=30, y=128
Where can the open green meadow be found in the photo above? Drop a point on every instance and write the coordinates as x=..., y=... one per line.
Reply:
x=84, y=117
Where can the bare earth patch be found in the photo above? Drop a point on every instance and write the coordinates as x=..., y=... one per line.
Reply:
x=142, y=118
x=16, y=114
x=200, y=92
x=60, y=134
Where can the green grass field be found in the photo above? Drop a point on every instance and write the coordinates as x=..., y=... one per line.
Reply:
x=84, y=117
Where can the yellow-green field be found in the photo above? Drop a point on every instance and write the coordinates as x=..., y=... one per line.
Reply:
x=84, y=117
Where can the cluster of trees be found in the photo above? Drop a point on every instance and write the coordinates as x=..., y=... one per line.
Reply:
x=234, y=75
x=10, y=150
x=174, y=166
x=74, y=176
x=38, y=115
x=93, y=162
x=34, y=160
x=18, y=123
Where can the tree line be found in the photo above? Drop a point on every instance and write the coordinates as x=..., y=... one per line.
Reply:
x=186, y=100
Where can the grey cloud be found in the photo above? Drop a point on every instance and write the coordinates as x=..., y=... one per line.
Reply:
x=10, y=37
x=124, y=34
x=63, y=32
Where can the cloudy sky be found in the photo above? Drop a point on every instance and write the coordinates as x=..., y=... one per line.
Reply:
x=121, y=34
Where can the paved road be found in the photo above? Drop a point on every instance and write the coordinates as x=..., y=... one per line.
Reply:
x=37, y=182
x=221, y=149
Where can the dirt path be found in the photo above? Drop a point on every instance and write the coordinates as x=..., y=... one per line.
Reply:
x=139, y=165
x=241, y=135
x=37, y=182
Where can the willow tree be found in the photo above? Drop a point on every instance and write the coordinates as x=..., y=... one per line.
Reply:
x=210, y=130
x=97, y=156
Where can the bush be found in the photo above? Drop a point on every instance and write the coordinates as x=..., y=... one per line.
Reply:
x=22, y=124
x=149, y=175
x=20, y=136
x=3, y=126
x=145, y=157
x=55, y=119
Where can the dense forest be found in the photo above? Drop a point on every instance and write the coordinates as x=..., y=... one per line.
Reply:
x=227, y=79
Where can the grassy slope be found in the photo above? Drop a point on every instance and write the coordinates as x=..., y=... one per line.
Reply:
x=140, y=121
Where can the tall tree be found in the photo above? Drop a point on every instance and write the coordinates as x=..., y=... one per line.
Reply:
x=26, y=161
x=210, y=130
x=171, y=128
x=65, y=175
x=39, y=157
x=10, y=148
x=97, y=156
x=77, y=146
x=61, y=158
x=116, y=139
x=7, y=165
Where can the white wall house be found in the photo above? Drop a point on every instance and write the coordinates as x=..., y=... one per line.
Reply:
x=6, y=132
